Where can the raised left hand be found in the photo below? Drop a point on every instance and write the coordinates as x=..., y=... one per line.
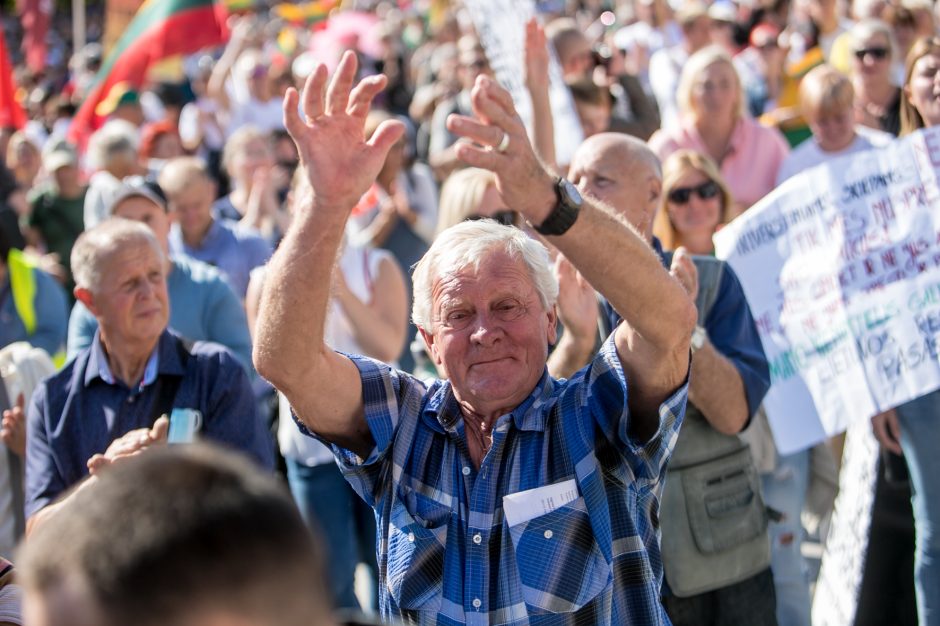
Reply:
x=522, y=181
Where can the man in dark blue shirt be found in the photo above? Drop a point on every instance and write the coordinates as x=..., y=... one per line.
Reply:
x=134, y=371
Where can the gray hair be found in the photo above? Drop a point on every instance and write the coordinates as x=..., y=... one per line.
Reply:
x=113, y=140
x=466, y=245
x=95, y=246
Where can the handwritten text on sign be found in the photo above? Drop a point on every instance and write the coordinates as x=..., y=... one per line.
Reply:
x=841, y=268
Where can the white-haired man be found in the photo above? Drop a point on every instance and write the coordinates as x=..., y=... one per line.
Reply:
x=544, y=492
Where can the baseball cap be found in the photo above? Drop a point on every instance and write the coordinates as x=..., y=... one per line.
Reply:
x=59, y=154
x=139, y=186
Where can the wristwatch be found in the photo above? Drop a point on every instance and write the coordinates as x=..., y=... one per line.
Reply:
x=566, y=210
x=699, y=335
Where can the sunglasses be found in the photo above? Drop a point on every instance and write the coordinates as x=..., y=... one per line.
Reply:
x=705, y=191
x=879, y=54
x=506, y=218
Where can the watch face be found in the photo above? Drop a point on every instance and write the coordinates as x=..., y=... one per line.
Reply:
x=574, y=196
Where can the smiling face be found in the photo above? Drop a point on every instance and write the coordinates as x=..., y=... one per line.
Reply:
x=923, y=89
x=696, y=219
x=491, y=333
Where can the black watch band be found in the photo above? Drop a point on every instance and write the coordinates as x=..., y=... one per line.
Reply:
x=566, y=211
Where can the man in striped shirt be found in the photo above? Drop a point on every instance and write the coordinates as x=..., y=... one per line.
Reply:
x=503, y=496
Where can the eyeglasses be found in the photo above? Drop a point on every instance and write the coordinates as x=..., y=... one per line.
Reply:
x=506, y=218
x=878, y=54
x=705, y=191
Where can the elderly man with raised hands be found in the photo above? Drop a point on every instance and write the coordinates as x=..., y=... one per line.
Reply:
x=544, y=492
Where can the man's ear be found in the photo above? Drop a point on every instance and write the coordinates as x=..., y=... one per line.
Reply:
x=552, y=329
x=87, y=298
x=430, y=346
x=655, y=189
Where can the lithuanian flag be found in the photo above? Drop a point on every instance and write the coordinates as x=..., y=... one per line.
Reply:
x=11, y=113
x=161, y=28
x=307, y=13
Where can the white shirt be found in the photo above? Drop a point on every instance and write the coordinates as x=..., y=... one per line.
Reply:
x=808, y=154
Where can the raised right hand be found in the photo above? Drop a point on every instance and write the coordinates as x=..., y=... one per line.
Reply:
x=339, y=163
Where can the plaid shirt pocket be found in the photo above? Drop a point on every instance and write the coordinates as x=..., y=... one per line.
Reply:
x=560, y=564
x=416, y=559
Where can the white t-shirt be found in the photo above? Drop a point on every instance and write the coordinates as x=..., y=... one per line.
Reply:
x=360, y=267
x=808, y=154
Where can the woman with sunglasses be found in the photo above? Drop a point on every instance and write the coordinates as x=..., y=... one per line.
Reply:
x=694, y=202
x=914, y=427
x=875, y=76
x=713, y=121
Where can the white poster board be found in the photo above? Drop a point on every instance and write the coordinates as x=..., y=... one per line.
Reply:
x=501, y=27
x=841, y=268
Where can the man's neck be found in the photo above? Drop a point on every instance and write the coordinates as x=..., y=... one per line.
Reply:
x=127, y=362
x=195, y=239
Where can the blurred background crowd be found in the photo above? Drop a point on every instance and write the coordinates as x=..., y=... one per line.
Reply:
x=180, y=103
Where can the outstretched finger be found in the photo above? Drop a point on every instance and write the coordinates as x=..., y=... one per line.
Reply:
x=492, y=102
x=160, y=429
x=313, y=97
x=292, y=122
x=475, y=156
x=485, y=134
x=360, y=100
x=337, y=94
x=386, y=135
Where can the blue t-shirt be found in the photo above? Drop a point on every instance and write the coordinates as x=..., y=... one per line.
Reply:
x=76, y=413
x=234, y=251
x=203, y=307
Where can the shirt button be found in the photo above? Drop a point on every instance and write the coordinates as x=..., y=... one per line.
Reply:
x=476, y=603
x=548, y=534
x=466, y=470
x=411, y=537
x=477, y=539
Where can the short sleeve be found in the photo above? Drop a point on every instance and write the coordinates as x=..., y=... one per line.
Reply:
x=606, y=393
x=732, y=331
x=389, y=398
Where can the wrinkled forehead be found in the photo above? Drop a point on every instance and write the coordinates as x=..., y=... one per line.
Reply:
x=496, y=272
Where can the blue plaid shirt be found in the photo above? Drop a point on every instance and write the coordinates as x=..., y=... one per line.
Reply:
x=446, y=553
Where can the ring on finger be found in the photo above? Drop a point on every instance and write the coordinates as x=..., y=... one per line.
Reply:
x=503, y=143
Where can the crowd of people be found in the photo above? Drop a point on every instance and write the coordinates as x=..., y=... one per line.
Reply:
x=500, y=388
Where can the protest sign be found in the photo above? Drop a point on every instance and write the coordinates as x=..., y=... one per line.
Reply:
x=501, y=27
x=841, y=268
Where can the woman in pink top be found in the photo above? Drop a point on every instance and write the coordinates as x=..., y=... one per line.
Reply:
x=714, y=122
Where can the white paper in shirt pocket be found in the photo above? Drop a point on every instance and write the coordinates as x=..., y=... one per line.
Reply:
x=525, y=505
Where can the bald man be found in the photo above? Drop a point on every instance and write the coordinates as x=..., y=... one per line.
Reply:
x=729, y=379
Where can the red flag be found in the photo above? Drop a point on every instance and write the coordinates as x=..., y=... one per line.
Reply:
x=35, y=15
x=11, y=113
x=161, y=28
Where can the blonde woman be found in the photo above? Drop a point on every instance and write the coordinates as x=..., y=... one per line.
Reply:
x=714, y=121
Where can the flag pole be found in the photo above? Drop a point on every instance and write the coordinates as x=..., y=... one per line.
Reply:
x=78, y=25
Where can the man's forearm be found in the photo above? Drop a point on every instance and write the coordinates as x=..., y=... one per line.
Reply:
x=717, y=390
x=293, y=304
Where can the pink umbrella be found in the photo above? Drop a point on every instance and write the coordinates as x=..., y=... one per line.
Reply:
x=347, y=30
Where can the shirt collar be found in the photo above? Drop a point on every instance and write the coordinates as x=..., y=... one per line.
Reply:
x=442, y=412
x=98, y=365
